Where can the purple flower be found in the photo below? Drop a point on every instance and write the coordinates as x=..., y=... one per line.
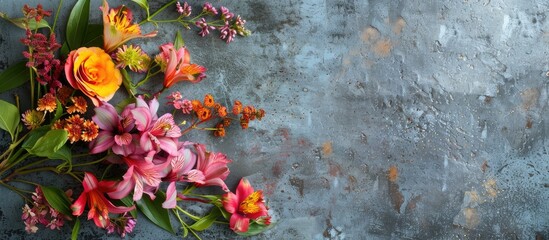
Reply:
x=184, y=10
x=209, y=9
x=205, y=28
x=226, y=15
x=227, y=33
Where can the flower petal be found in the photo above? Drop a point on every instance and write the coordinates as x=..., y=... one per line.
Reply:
x=124, y=139
x=239, y=223
x=106, y=117
x=244, y=189
x=102, y=142
x=78, y=206
x=171, y=194
x=230, y=202
x=142, y=118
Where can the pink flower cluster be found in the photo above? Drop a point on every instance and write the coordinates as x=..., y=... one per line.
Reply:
x=41, y=212
x=180, y=103
x=41, y=58
x=148, y=146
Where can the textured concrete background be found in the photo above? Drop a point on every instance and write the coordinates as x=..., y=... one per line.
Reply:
x=386, y=119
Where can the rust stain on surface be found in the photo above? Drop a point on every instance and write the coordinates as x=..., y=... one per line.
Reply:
x=383, y=47
x=396, y=197
x=399, y=25
x=412, y=204
x=369, y=34
x=491, y=188
x=471, y=217
x=392, y=174
x=335, y=169
x=327, y=148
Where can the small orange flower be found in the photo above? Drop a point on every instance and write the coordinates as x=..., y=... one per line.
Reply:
x=249, y=112
x=209, y=101
x=237, y=108
x=32, y=119
x=226, y=122
x=73, y=125
x=244, y=122
x=260, y=114
x=59, y=124
x=220, y=132
x=204, y=113
x=217, y=106
x=47, y=103
x=80, y=105
x=222, y=112
x=90, y=130
x=196, y=105
x=75, y=132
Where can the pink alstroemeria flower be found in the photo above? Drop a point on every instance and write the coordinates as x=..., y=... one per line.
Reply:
x=142, y=176
x=178, y=67
x=99, y=206
x=115, y=131
x=182, y=171
x=246, y=204
x=158, y=134
x=118, y=27
x=213, y=166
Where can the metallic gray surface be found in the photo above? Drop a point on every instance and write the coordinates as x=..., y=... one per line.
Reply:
x=451, y=93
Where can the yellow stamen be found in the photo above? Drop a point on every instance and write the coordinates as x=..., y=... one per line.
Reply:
x=250, y=204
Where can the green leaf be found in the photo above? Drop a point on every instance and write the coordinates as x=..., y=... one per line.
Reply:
x=178, y=43
x=20, y=22
x=64, y=51
x=57, y=199
x=154, y=211
x=9, y=117
x=207, y=220
x=75, y=229
x=64, y=153
x=122, y=104
x=33, y=136
x=77, y=23
x=255, y=228
x=128, y=202
x=58, y=111
x=51, y=142
x=143, y=4
x=14, y=76
x=94, y=36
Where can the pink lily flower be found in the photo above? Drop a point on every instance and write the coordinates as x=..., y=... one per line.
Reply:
x=156, y=135
x=177, y=65
x=118, y=27
x=142, y=176
x=181, y=170
x=244, y=206
x=213, y=166
x=115, y=131
x=99, y=205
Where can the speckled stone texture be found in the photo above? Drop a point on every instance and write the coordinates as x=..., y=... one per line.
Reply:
x=385, y=119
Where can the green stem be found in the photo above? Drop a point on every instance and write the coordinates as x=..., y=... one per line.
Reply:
x=32, y=164
x=31, y=83
x=90, y=163
x=149, y=18
x=147, y=77
x=57, y=14
x=25, y=181
x=16, y=190
x=193, y=217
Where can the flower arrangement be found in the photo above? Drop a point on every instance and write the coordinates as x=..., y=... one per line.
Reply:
x=148, y=165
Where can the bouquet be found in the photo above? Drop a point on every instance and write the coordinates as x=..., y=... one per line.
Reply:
x=129, y=157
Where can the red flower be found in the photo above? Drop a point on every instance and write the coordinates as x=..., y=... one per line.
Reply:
x=246, y=204
x=94, y=196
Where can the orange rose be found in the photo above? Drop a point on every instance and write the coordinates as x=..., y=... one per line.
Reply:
x=92, y=71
